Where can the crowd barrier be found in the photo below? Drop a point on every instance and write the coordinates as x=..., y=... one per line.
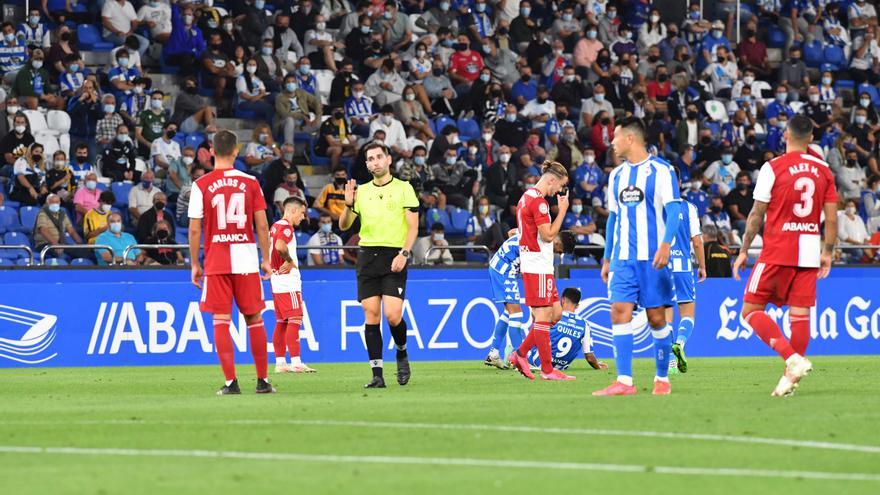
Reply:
x=151, y=317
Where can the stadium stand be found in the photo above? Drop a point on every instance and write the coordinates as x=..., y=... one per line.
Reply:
x=479, y=70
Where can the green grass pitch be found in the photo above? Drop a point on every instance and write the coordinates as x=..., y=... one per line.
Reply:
x=472, y=430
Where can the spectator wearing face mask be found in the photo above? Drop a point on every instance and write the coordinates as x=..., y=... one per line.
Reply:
x=283, y=38
x=695, y=194
x=870, y=111
x=586, y=51
x=331, y=201
x=588, y=177
x=624, y=43
x=751, y=54
x=118, y=160
x=122, y=76
x=739, y=202
x=511, y=130
x=320, y=45
x=151, y=124
x=14, y=54
x=750, y=156
x=270, y=69
x=335, y=139
x=156, y=15
x=435, y=238
x=359, y=110
x=141, y=197
x=86, y=197
x=149, y=219
x=296, y=110
x=717, y=217
x=465, y=64
x=182, y=213
x=709, y=45
x=251, y=94
x=722, y=72
x=864, y=141
x=539, y=110
x=192, y=112
x=851, y=230
x=567, y=150
x=186, y=42
x=33, y=86
x=871, y=202
x=29, y=173
x=454, y=178
x=289, y=187
x=416, y=171
x=79, y=163
x=119, y=241
x=722, y=173
x=482, y=228
x=95, y=221
x=438, y=16
x=163, y=233
x=776, y=134
x=261, y=150
x=110, y=121
x=59, y=177
x=324, y=237
x=395, y=135
x=385, y=86
x=179, y=173
x=51, y=225
x=165, y=150
x=851, y=178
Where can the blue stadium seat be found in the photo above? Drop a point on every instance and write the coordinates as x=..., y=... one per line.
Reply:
x=458, y=219
x=476, y=256
x=313, y=213
x=241, y=113
x=587, y=260
x=844, y=84
x=568, y=259
x=181, y=236
x=56, y=262
x=813, y=55
x=89, y=38
x=15, y=205
x=82, y=262
x=28, y=216
x=5, y=261
x=23, y=262
x=871, y=90
x=775, y=37
x=442, y=121
x=301, y=240
x=468, y=129
x=434, y=215
x=834, y=57
x=240, y=165
x=194, y=140
x=9, y=221
x=15, y=238
x=180, y=139
x=121, y=190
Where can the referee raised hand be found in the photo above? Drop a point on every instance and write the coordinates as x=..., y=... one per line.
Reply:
x=389, y=213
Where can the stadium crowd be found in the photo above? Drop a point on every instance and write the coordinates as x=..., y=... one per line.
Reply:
x=99, y=146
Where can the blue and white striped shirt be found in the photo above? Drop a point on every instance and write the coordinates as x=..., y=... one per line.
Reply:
x=680, y=253
x=12, y=58
x=72, y=81
x=362, y=109
x=637, y=193
x=506, y=260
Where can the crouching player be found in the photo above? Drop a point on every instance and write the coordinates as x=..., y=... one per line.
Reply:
x=569, y=336
x=287, y=288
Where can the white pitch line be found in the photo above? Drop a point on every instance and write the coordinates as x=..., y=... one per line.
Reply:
x=441, y=461
x=709, y=437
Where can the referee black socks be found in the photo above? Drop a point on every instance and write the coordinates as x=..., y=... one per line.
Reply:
x=398, y=333
x=373, y=337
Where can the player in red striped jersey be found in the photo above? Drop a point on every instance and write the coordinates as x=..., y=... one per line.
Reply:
x=229, y=204
x=287, y=287
x=793, y=190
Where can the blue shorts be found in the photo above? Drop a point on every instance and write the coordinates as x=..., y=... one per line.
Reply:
x=505, y=289
x=685, y=287
x=640, y=283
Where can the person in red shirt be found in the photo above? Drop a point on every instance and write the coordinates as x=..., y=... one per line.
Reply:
x=792, y=191
x=228, y=204
x=751, y=53
x=602, y=132
x=465, y=64
x=660, y=88
x=287, y=287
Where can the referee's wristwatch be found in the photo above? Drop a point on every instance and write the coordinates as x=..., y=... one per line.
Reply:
x=406, y=254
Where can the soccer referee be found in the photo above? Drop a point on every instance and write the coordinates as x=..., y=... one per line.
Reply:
x=389, y=213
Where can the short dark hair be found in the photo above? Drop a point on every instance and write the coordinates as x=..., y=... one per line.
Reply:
x=568, y=241
x=107, y=197
x=372, y=145
x=800, y=128
x=437, y=227
x=634, y=125
x=225, y=143
x=449, y=129
x=743, y=174
x=81, y=145
x=873, y=180
x=294, y=200
x=573, y=294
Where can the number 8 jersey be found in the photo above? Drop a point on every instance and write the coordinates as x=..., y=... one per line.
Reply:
x=796, y=187
x=226, y=200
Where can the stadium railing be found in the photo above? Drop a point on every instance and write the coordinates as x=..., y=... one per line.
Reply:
x=127, y=250
x=65, y=247
x=21, y=247
x=473, y=247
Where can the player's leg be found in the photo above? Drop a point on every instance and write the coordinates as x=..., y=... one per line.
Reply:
x=394, y=314
x=283, y=306
x=294, y=323
x=623, y=292
x=673, y=362
x=248, y=291
x=801, y=297
x=515, y=323
x=765, y=284
x=658, y=293
x=499, y=339
x=217, y=299
x=687, y=311
x=533, y=290
x=373, y=337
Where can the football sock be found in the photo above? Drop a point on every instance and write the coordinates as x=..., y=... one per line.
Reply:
x=623, y=350
x=515, y=330
x=398, y=333
x=662, y=349
x=685, y=329
x=800, y=333
x=373, y=336
x=278, y=342
x=295, y=360
x=541, y=329
x=769, y=332
x=500, y=332
x=527, y=343
x=225, y=352
x=293, y=336
x=257, y=333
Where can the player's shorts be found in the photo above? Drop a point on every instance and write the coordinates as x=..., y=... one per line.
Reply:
x=540, y=289
x=781, y=285
x=218, y=292
x=685, y=287
x=640, y=283
x=288, y=305
x=374, y=275
x=505, y=288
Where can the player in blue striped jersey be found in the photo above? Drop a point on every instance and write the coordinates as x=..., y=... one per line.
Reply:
x=569, y=337
x=504, y=278
x=643, y=205
x=683, y=277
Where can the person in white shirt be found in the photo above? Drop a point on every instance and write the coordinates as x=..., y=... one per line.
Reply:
x=324, y=237
x=385, y=86
x=539, y=110
x=851, y=230
x=320, y=45
x=121, y=21
x=157, y=16
x=722, y=73
x=723, y=172
x=395, y=135
x=140, y=198
x=422, y=246
x=594, y=105
x=164, y=149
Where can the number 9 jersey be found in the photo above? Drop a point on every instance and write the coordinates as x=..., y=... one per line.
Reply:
x=796, y=187
x=226, y=200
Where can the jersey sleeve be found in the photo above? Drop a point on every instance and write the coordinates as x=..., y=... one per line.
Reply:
x=694, y=221
x=540, y=211
x=831, y=188
x=764, y=185
x=409, y=196
x=196, y=202
x=667, y=185
x=611, y=194
x=257, y=199
x=587, y=340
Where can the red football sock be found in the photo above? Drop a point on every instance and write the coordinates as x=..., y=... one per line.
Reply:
x=542, y=339
x=278, y=339
x=527, y=344
x=800, y=333
x=770, y=333
x=225, y=351
x=257, y=333
x=293, y=337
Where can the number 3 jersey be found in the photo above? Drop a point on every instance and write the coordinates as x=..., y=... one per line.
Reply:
x=569, y=338
x=796, y=187
x=226, y=200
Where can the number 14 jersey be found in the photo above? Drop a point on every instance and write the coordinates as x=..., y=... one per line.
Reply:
x=796, y=187
x=226, y=200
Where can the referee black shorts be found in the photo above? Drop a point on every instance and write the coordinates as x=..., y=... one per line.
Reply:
x=374, y=275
